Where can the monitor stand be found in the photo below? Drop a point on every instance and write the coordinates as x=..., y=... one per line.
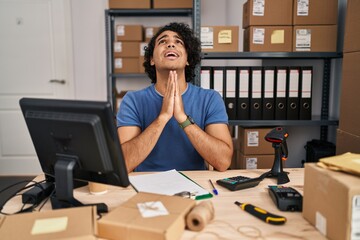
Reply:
x=277, y=168
x=64, y=186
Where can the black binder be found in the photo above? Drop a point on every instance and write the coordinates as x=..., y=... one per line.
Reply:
x=306, y=76
x=230, y=92
x=243, y=88
x=255, y=93
x=280, y=93
x=268, y=108
x=292, y=94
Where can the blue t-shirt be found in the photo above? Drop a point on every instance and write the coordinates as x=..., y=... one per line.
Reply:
x=173, y=149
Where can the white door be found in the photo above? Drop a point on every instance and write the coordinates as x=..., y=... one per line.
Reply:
x=35, y=61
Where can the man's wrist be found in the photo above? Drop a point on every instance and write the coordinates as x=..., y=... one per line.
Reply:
x=187, y=122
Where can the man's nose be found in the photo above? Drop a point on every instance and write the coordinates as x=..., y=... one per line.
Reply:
x=171, y=45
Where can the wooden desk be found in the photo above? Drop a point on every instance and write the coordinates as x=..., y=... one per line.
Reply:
x=226, y=212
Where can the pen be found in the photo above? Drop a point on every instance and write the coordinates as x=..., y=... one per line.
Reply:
x=262, y=214
x=214, y=189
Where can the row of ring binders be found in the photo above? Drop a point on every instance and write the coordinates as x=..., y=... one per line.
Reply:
x=262, y=93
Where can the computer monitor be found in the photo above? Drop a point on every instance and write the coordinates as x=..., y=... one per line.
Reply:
x=75, y=140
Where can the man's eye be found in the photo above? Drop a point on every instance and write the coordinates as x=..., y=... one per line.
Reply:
x=180, y=42
x=162, y=41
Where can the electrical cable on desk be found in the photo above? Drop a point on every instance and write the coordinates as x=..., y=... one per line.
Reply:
x=19, y=193
x=241, y=232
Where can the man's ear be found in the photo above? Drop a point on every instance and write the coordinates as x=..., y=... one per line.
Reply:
x=152, y=62
x=187, y=63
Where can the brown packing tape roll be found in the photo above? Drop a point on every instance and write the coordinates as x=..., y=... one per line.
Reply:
x=200, y=216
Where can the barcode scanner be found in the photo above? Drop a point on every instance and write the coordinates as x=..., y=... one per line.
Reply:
x=277, y=137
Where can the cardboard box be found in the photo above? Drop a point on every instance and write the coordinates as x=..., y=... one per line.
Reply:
x=70, y=223
x=172, y=3
x=129, y=33
x=274, y=12
x=268, y=39
x=126, y=65
x=150, y=32
x=129, y=4
x=252, y=141
x=255, y=161
x=321, y=38
x=349, y=118
x=126, y=49
x=347, y=142
x=316, y=12
x=126, y=222
x=352, y=26
x=332, y=202
x=220, y=38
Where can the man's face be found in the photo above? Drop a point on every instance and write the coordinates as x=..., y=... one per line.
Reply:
x=169, y=52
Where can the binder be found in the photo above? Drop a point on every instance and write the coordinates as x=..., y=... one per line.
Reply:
x=205, y=77
x=268, y=108
x=243, y=89
x=218, y=80
x=292, y=94
x=255, y=93
x=230, y=89
x=306, y=75
x=280, y=93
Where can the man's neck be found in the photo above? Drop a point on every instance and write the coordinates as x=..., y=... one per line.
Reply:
x=162, y=81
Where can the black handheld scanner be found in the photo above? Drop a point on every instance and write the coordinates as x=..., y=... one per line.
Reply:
x=278, y=136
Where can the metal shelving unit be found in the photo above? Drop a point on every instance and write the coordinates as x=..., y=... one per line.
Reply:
x=110, y=16
x=323, y=120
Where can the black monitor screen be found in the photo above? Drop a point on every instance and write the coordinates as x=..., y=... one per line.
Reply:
x=76, y=135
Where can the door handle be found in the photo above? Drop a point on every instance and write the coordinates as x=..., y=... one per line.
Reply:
x=60, y=81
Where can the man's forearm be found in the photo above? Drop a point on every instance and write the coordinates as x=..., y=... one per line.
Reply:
x=216, y=152
x=137, y=149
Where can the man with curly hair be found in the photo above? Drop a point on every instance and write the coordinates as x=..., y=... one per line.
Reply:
x=173, y=124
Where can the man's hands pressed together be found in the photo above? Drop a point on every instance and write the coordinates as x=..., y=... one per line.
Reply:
x=172, y=102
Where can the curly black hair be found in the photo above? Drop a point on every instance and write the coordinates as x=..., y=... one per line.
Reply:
x=192, y=46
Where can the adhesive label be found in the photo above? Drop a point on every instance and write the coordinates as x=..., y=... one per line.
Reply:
x=303, y=40
x=258, y=35
x=302, y=8
x=152, y=209
x=207, y=38
x=258, y=7
x=355, y=218
x=253, y=138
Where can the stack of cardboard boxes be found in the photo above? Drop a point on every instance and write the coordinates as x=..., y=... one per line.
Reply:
x=253, y=151
x=348, y=133
x=290, y=25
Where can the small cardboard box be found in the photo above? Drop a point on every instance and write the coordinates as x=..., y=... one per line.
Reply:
x=70, y=223
x=274, y=12
x=126, y=65
x=129, y=33
x=315, y=12
x=352, y=26
x=268, y=39
x=150, y=32
x=220, y=38
x=349, y=108
x=172, y=3
x=129, y=4
x=256, y=161
x=126, y=222
x=347, y=142
x=321, y=38
x=126, y=49
x=332, y=202
x=252, y=141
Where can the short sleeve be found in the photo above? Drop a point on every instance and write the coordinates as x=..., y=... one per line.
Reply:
x=128, y=114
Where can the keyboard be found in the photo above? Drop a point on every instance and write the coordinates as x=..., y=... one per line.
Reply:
x=239, y=182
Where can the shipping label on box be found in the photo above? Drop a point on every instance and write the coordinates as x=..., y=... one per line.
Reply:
x=303, y=40
x=207, y=38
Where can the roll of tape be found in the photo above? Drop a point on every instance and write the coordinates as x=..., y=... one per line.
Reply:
x=200, y=216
